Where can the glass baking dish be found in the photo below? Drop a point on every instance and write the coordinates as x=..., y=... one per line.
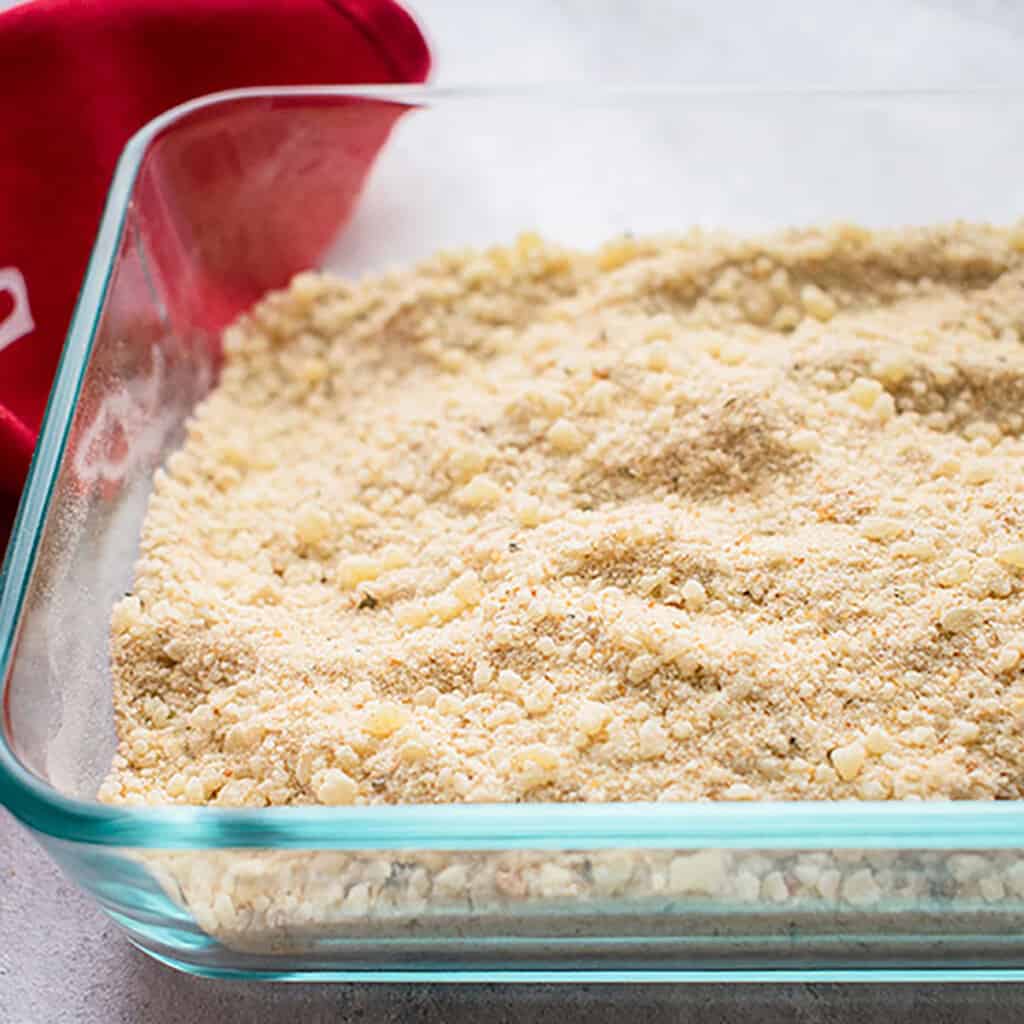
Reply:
x=229, y=195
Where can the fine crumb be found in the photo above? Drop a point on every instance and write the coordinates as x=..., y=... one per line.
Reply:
x=682, y=519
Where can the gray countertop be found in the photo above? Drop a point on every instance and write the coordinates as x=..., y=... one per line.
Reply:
x=62, y=960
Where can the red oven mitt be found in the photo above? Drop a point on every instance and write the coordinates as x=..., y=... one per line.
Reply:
x=77, y=79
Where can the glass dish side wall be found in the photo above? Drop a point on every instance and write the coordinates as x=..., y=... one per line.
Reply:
x=232, y=198
x=227, y=203
x=613, y=914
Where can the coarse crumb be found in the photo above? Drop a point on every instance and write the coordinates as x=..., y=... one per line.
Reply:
x=285, y=901
x=682, y=519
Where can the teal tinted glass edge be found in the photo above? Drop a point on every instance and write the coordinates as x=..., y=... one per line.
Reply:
x=808, y=825
x=579, y=976
x=23, y=794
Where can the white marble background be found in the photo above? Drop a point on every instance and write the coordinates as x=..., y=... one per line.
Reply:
x=61, y=960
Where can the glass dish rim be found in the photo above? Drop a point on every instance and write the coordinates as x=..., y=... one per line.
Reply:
x=806, y=825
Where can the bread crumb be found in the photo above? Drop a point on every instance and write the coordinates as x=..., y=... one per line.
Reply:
x=861, y=888
x=877, y=742
x=817, y=302
x=881, y=528
x=849, y=760
x=774, y=888
x=653, y=739
x=336, y=787
x=384, y=718
x=701, y=872
x=865, y=391
x=684, y=519
x=694, y=595
x=960, y=618
x=592, y=716
x=961, y=731
x=980, y=471
x=805, y=441
x=565, y=436
x=1009, y=658
x=1012, y=555
x=479, y=492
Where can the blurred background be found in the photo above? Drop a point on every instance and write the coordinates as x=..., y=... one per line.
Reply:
x=808, y=42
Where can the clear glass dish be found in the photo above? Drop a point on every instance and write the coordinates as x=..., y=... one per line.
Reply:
x=228, y=195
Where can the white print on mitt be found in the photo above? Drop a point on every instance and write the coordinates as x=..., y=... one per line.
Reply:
x=19, y=321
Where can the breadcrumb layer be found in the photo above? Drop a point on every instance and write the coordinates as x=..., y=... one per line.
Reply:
x=682, y=519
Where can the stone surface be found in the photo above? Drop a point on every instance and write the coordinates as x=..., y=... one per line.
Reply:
x=62, y=960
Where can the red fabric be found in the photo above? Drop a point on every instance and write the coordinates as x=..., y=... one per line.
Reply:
x=77, y=79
